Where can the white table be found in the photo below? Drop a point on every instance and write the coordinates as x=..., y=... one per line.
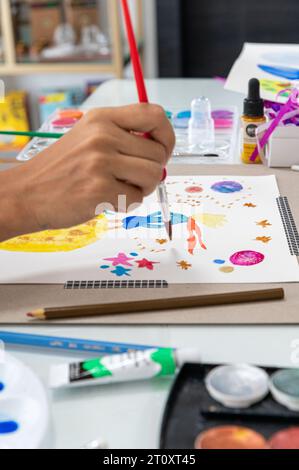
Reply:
x=129, y=415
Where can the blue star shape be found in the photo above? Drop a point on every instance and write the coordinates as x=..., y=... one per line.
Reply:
x=121, y=271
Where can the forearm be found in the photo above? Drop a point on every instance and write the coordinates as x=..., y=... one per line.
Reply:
x=14, y=218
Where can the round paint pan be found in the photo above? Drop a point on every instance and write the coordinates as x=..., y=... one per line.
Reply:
x=285, y=439
x=230, y=437
x=64, y=123
x=237, y=386
x=284, y=386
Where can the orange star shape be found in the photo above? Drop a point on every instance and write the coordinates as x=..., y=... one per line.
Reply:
x=263, y=239
x=263, y=223
x=184, y=265
x=162, y=241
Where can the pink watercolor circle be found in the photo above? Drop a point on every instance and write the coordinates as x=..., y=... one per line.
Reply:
x=194, y=189
x=247, y=258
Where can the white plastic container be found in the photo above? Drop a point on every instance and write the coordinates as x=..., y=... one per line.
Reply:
x=24, y=408
x=283, y=148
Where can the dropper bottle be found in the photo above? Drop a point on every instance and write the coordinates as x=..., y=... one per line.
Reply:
x=253, y=117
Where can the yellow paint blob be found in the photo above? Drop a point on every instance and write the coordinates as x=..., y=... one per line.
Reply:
x=53, y=241
x=211, y=220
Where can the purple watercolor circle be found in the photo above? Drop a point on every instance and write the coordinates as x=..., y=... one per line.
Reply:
x=247, y=258
x=227, y=187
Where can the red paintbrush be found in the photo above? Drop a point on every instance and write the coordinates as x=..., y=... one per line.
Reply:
x=143, y=98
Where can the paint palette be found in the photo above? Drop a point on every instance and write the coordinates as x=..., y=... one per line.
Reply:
x=61, y=122
x=191, y=410
x=226, y=123
x=24, y=409
x=226, y=128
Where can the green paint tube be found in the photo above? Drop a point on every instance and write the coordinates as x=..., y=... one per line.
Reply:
x=135, y=365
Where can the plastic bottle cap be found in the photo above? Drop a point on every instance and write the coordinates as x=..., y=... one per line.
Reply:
x=188, y=355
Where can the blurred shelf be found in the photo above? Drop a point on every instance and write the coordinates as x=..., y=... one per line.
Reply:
x=113, y=64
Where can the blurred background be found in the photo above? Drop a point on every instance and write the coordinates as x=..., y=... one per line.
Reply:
x=55, y=53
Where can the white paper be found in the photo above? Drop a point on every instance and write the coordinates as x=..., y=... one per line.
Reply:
x=243, y=219
x=248, y=64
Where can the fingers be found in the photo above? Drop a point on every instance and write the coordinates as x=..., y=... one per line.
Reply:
x=142, y=118
x=126, y=197
x=138, y=146
x=141, y=173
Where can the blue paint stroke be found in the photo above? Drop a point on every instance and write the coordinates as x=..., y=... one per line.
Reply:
x=105, y=267
x=154, y=221
x=8, y=427
x=227, y=187
x=283, y=72
x=134, y=254
x=1, y=387
x=219, y=261
x=119, y=271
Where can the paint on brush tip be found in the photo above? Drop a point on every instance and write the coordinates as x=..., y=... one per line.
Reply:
x=8, y=426
x=2, y=387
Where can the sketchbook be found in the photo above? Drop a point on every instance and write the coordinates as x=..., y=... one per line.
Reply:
x=275, y=65
x=225, y=230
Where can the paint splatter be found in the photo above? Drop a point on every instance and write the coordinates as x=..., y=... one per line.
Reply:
x=226, y=269
x=194, y=189
x=211, y=220
x=247, y=258
x=227, y=187
x=8, y=427
x=1, y=387
x=121, y=258
x=162, y=241
x=134, y=254
x=219, y=261
x=145, y=263
x=119, y=271
x=105, y=266
x=249, y=204
x=184, y=265
x=263, y=239
x=264, y=223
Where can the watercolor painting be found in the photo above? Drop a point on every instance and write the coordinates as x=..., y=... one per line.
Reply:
x=275, y=65
x=225, y=229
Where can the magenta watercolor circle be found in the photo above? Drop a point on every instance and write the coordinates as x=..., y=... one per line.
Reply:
x=247, y=258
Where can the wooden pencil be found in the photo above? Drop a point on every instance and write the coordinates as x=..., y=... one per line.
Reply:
x=157, y=304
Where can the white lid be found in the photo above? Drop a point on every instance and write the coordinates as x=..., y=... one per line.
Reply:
x=237, y=386
x=59, y=376
x=190, y=355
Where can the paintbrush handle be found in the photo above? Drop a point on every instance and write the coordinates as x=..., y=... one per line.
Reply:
x=42, y=135
x=158, y=304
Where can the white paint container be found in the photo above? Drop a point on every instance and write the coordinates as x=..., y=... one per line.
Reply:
x=24, y=408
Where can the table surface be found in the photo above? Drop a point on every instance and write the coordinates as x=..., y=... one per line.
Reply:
x=129, y=415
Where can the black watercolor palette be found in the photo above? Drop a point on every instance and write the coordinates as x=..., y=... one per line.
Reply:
x=190, y=410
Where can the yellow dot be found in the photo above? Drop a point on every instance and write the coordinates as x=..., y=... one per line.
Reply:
x=227, y=269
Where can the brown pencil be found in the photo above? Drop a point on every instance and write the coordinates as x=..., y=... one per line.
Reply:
x=157, y=304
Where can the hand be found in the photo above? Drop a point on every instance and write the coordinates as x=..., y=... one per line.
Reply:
x=99, y=159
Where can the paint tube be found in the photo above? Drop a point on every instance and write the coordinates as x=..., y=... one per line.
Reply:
x=135, y=365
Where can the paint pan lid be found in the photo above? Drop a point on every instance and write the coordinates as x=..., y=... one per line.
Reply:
x=284, y=386
x=237, y=386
